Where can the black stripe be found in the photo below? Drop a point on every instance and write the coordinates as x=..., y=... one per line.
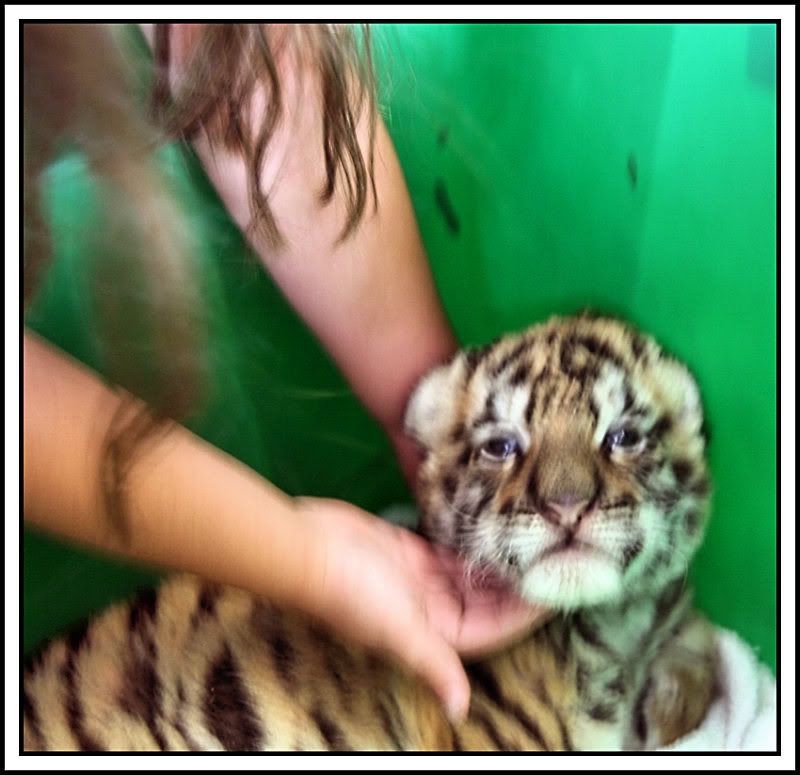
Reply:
x=474, y=356
x=78, y=636
x=639, y=720
x=31, y=714
x=558, y=638
x=142, y=693
x=283, y=657
x=581, y=678
x=548, y=398
x=631, y=552
x=603, y=711
x=682, y=469
x=459, y=434
x=530, y=726
x=540, y=689
x=566, y=741
x=180, y=724
x=516, y=351
x=520, y=375
x=669, y=598
x=600, y=349
x=566, y=360
x=207, y=599
x=487, y=683
x=228, y=709
x=74, y=707
x=483, y=720
x=142, y=608
x=388, y=723
x=537, y=381
x=482, y=503
x=206, y=604
x=637, y=344
x=589, y=634
x=628, y=401
x=489, y=415
x=330, y=731
x=449, y=485
x=623, y=502
x=507, y=507
x=616, y=685
x=343, y=687
x=692, y=521
x=660, y=427
x=701, y=487
x=268, y=625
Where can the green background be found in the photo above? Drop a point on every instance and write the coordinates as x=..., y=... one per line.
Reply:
x=627, y=167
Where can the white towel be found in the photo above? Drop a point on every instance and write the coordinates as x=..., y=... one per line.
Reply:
x=744, y=715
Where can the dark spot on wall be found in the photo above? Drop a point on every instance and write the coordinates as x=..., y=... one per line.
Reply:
x=445, y=207
x=633, y=171
x=441, y=137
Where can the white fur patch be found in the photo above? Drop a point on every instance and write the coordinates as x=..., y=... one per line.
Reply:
x=572, y=579
x=609, y=397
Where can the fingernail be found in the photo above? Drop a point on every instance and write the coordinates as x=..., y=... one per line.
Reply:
x=457, y=707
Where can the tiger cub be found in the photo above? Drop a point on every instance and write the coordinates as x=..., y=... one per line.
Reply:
x=568, y=460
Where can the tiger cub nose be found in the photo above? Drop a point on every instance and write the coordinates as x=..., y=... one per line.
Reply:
x=568, y=509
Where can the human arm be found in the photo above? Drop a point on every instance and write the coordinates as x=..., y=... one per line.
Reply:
x=371, y=300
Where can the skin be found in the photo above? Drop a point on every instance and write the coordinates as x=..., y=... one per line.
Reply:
x=372, y=302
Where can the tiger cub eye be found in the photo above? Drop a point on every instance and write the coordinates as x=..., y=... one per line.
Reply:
x=624, y=438
x=500, y=448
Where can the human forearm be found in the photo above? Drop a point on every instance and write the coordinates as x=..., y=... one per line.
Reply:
x=370, y=300
x=191, y=506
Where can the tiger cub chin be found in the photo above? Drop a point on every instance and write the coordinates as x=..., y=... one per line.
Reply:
x=568, y=460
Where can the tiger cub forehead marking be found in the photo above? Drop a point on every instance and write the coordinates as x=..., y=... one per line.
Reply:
x=551, y=365
x=608, y=399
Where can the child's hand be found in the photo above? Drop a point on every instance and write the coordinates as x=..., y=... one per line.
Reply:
x=388, y=589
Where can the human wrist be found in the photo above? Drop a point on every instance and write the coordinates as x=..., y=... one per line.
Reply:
x=308, y=594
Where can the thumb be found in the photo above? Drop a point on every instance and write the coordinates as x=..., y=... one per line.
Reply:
x=437, y=663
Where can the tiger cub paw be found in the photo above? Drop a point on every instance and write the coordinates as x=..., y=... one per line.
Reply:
x=680, y=689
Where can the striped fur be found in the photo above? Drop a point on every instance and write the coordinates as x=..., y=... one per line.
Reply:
x=569, y=460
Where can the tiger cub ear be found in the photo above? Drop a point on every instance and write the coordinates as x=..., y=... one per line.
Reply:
x=432, y=408
x=682, y=393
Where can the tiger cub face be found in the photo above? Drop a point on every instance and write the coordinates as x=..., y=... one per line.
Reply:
x=567, y=460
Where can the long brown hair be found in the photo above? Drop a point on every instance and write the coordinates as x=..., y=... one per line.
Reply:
x=78, y=89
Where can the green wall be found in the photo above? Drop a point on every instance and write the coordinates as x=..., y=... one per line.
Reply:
x=627, y=167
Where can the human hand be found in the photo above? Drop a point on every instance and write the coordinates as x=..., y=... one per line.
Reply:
x=390, y=590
